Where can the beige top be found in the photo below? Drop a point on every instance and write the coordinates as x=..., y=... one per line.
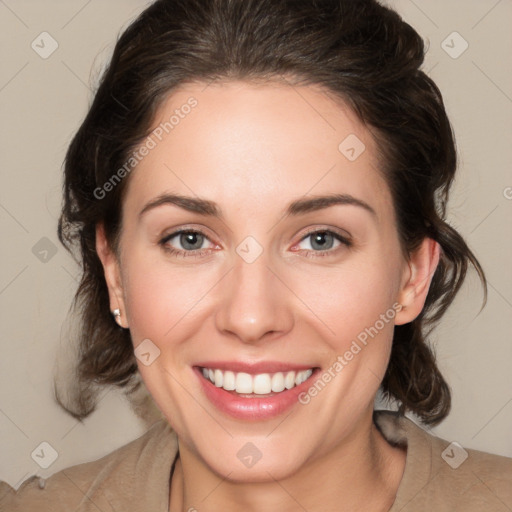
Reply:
x=135, y=478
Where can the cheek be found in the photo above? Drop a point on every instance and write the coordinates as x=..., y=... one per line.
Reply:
x=162, y=300
x=351, y=297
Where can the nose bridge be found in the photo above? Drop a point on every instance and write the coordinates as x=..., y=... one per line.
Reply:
x=253, y=301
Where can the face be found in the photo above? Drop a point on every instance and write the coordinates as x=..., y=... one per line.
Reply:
x=261, y=274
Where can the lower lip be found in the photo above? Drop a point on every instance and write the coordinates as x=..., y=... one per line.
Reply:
x=249, y=408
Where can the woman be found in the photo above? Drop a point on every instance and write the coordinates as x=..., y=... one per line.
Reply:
x=258, y=193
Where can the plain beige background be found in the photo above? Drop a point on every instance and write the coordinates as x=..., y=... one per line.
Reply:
x=42, y=103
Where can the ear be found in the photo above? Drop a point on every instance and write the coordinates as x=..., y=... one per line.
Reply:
x=416, y=280
x=112, y=272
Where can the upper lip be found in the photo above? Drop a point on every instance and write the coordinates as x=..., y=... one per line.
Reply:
x=255, y=367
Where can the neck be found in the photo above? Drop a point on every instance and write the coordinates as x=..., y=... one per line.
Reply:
x=362, y=472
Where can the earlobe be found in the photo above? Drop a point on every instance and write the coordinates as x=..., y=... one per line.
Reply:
x=418, y=276
x=112, y=274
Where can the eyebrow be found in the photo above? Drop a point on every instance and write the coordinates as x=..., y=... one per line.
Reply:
x=295, y=208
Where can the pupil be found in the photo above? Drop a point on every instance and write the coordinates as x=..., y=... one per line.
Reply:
x=319, y=238
x=190, y=239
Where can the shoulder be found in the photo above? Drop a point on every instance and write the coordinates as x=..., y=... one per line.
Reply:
x=442, y=475
x=117, y=481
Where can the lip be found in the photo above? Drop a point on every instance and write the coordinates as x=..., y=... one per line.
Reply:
x=254, y=368
x=253, y=409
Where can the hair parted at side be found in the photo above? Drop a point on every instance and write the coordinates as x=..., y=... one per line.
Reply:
x=359, y=50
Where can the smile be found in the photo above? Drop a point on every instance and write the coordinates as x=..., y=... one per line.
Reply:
x=260, y=384
x=254, y=396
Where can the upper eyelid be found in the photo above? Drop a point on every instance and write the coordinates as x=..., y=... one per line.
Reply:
x=180, y=231
x=340, y=232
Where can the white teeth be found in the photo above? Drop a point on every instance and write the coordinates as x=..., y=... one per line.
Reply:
x=289, y=380
x=277, y=382
x=243, y=383
x=302, y=376
x=218, y=378
x=229, y=383
x=307, y=374
x=260, y=384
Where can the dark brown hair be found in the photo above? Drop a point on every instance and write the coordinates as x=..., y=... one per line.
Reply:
x=360, y=51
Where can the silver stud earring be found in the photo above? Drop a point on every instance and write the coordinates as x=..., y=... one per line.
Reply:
x=117, y=315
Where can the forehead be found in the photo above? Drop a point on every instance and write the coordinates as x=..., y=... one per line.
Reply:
x=246, y=145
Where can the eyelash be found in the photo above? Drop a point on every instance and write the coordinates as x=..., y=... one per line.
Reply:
x=199, y=253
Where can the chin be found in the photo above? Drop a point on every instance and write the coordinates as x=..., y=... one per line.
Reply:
x=277, y=467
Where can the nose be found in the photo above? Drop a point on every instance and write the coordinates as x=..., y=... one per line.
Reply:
x=255, y=304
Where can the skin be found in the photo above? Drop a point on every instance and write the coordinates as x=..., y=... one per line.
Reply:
x=253, y=149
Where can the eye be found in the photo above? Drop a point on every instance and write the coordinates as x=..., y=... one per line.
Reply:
x=190, y=240
x=321, y=243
